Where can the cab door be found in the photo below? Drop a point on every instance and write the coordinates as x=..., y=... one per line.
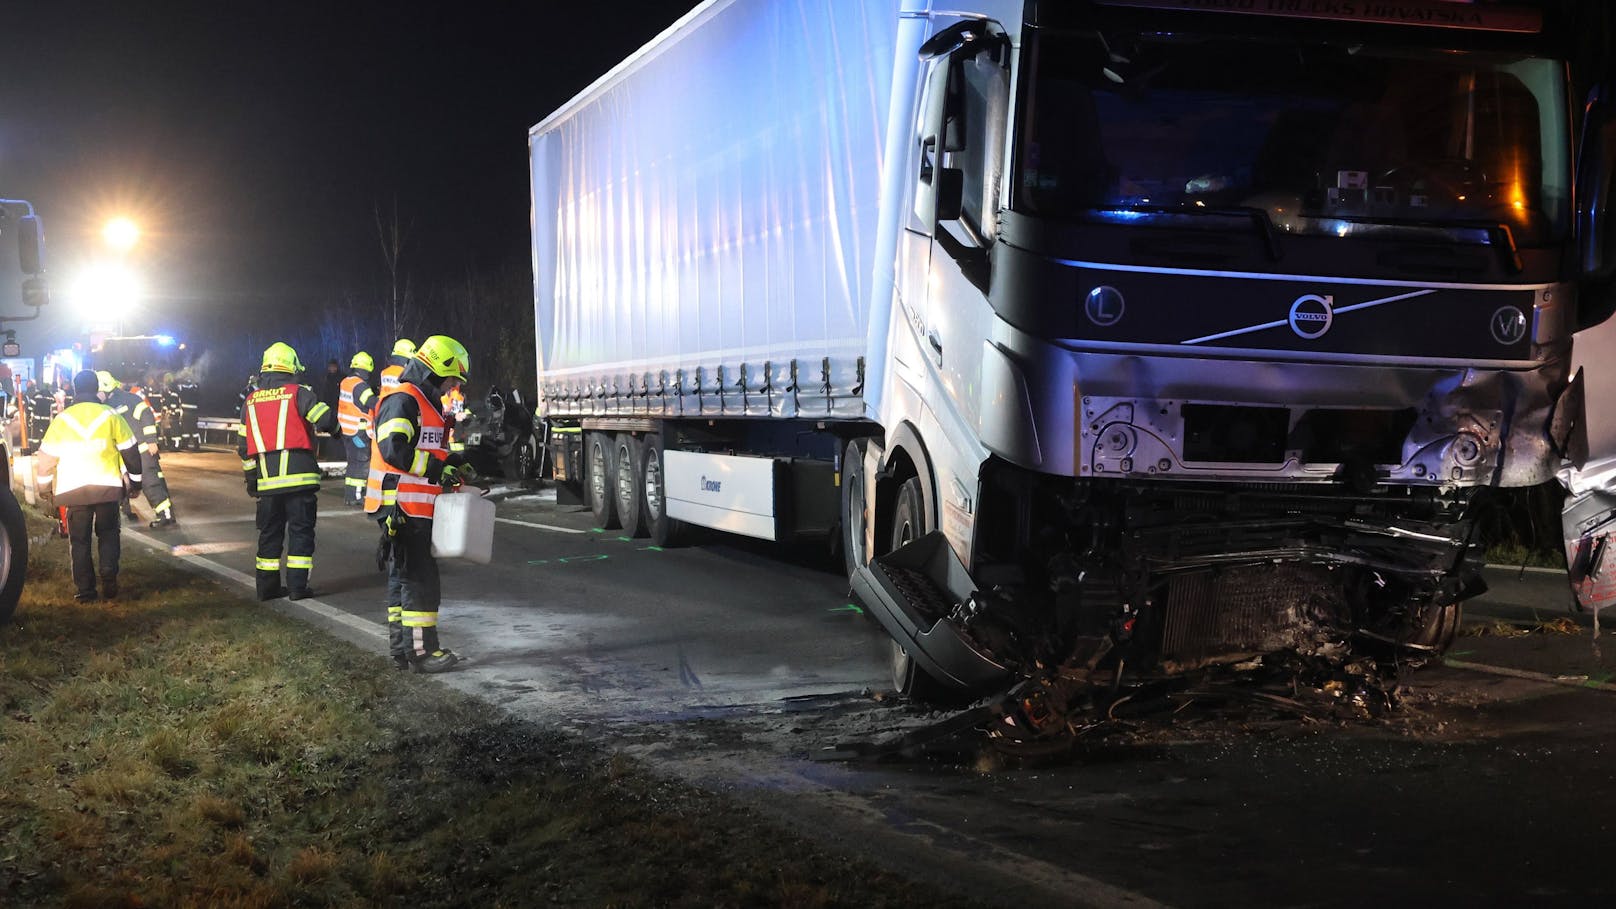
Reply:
x=1589, y=408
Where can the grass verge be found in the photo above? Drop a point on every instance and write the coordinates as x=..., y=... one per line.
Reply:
x=184, y=747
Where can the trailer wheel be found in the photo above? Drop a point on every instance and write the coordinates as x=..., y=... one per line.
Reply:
x=602, y=482
x=908, y=525
x=855, y=518
x=628, y=455
x=665, y=531
x=13, y=554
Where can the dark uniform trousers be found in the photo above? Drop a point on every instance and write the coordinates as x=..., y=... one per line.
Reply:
x=353, y=491
x=156, y=488
x=413, y=590
x=102, y=518
x=285, y=517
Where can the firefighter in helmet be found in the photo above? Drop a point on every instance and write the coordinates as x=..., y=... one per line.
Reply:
x=134, y=408
x=277, y=448
x=403, y=353
x=410, y=465
x=354, y=401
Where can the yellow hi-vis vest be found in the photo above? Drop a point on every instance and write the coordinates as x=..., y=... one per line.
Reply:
x=85, y=440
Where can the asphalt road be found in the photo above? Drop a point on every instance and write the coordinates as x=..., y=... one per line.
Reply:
x=740, y=666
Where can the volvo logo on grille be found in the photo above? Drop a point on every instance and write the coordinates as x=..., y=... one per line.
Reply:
x=1509, y=325
x=1312, y=315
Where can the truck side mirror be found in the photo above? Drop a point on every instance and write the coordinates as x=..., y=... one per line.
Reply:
x=30, y=245
x=34, y=291
x=950, y=193
x=1596, y=208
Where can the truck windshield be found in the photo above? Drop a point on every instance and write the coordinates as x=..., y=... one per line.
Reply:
x=1326, y=139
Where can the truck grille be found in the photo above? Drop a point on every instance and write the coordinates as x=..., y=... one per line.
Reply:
x=1245, y=610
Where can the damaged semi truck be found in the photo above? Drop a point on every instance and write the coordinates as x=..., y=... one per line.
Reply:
x=1112, y=337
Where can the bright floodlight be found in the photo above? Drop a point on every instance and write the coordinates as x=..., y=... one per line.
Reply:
x=121, y=234
x=106, y=292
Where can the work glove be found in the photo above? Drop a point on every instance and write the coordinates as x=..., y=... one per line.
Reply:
x=133, y=487
x=361, y=440
x=453, y=475
x=252, y=485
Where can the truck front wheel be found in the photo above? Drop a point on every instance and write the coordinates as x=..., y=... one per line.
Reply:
x=602, y=479
x=908, y=525
x=13, y=554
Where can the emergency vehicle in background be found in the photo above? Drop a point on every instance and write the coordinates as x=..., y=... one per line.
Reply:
x=17, y=217
x=1113, y=337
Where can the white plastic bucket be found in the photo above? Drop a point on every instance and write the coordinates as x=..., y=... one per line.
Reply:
x=463, y=527
x=22, y=468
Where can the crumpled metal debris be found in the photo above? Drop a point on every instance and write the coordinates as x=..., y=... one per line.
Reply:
x=1065, y=716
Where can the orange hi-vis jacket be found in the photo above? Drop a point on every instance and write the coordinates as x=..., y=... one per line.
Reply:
x=423, y=439
x=353, y=406
x=389, y=377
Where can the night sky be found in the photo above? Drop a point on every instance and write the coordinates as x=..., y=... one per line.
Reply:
x=253, y=143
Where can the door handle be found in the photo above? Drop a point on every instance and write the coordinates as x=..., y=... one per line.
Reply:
x=936, y=343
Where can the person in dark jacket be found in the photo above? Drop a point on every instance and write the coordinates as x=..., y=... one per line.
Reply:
x=143, y=420
x=81, y=465
x=277, y=445
x=354, y=404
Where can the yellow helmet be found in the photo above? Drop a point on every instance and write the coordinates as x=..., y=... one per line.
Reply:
x=362, y=360
x=404, y=348
x=445, y=356
x=280, y=357
x=105, y=381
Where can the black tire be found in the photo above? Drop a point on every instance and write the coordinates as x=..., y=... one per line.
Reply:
x=628, y=453
x=854, y=517
x=518, y=463
x=665, y=531
x=600, y=479
x=13, y=554
x=908, y=525
x=1438, y=626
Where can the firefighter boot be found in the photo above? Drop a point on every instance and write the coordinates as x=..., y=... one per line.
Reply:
x=436, y=661
x=269, y=584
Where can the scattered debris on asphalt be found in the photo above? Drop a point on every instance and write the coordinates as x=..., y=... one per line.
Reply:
x=1063, y=716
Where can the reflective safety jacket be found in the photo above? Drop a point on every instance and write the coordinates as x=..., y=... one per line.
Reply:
x=391, y=372
x=278, y=423
x=409, y=453
x=354, y=400
x=85, y=453
x=133, y=408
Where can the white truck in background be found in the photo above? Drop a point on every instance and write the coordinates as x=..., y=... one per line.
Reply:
x=1123, y=336
x=17, y=217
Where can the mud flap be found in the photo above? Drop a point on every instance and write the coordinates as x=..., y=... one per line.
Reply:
x=911, y=591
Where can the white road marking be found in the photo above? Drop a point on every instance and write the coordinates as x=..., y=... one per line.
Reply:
x=539, y=526
x=311, y=605
x=248, y=518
